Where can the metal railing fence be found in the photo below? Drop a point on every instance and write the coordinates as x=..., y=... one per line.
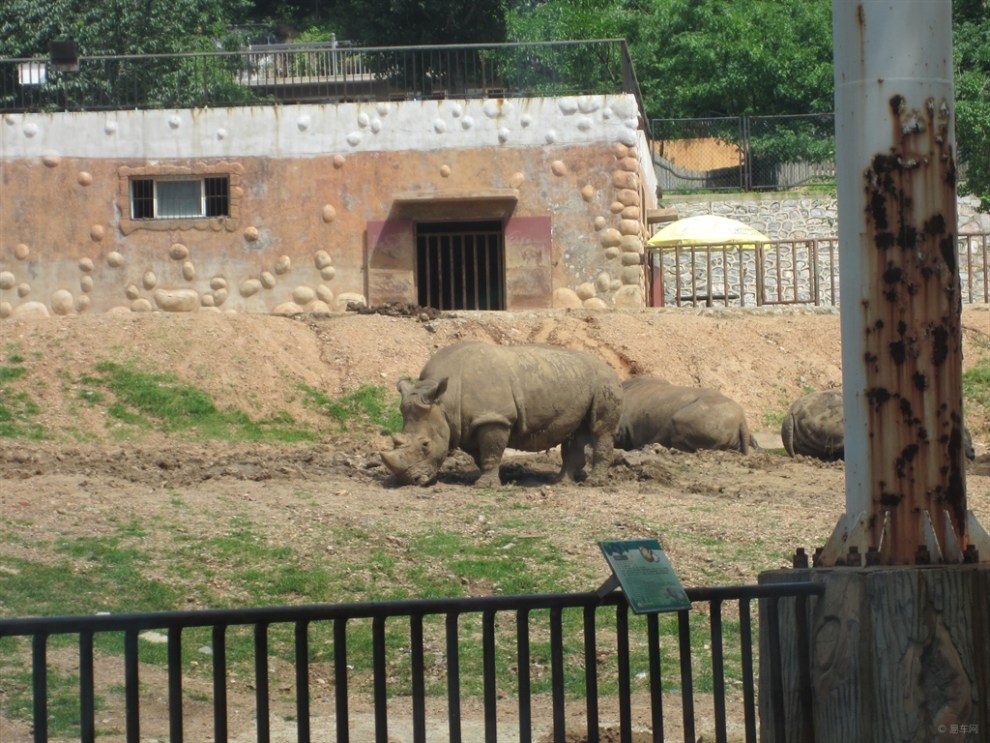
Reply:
x=323, y=72
x=803, y=271
x=531, y=630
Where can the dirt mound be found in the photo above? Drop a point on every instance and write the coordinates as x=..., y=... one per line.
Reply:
x=721, y=516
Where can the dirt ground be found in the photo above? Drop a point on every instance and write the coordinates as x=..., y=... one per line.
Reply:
x=755, y=510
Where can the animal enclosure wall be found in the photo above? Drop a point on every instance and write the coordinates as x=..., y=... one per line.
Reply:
x=311, y=207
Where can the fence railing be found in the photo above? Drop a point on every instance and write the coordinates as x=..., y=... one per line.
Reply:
x=776, y=272
x=541, y=649
x=331, y=72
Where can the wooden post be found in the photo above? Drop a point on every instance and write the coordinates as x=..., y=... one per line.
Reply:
x=896, y=654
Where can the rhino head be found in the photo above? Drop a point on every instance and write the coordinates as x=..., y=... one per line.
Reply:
x=425, y=439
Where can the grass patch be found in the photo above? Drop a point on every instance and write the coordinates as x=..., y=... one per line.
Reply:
x=976, y=384
x=237, y=565
x=62, y=697
x=144, y=401
x=86, y=576
x=367, y=406
x=17, y=408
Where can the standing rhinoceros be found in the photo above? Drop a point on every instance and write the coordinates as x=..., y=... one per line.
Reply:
x=482, y=398
x=654, y=411
x=815, y=426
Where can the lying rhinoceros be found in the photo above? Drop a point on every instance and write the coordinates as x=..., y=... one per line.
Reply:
x=482, y=398
x=815, y=425
x=654, y=411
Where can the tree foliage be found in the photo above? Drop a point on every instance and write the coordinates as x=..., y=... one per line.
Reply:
x=735, y=58
x=573, y=20
x=971, y=52
x=421, y=22
x=117, y=26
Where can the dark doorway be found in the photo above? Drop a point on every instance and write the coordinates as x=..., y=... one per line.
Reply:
x=460, y=265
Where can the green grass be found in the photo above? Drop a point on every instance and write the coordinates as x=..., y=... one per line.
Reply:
x=237, y=565
x=63, y=697
x=17, y=407
x=368, y=405
x=137, y=401
x=86, y=575
x=142, y=401
x=976, y=384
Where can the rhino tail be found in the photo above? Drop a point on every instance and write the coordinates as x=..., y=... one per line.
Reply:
x=787, y=433
x=746, y=440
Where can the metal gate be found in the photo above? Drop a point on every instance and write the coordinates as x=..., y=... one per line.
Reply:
x=460, y=265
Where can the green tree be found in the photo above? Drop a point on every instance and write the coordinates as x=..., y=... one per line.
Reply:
x=421, y=22
x=735, y=57
x=117, y=26
x=129, y=27
x=971, y=53
x=572, y=20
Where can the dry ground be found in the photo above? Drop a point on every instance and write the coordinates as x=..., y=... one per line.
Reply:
x=754, y=510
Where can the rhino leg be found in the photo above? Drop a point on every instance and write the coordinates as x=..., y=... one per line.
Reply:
x=572, y=456
x=602, y=449
x=491, y=438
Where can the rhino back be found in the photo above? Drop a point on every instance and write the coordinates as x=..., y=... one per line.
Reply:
x=813, y=426
x=543, y=393
x=687, y=418
x=648, y=407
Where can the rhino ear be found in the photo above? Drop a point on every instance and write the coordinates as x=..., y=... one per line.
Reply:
x=431, y=391
x=404, y=387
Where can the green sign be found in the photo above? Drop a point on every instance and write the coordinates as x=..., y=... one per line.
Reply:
x=646, y=576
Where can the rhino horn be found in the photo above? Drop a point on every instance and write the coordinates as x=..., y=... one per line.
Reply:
x=392, y=461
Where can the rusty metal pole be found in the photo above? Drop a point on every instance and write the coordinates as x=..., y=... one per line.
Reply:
x=896, y=651
x=900, y=303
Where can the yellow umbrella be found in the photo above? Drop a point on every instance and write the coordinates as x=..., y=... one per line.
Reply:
x=707, y=228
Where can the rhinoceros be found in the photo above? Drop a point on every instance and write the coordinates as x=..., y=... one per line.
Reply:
x=654, y=411
x=482, y=398
x=814, y=426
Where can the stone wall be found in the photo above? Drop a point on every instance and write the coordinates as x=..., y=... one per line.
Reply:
x=323, y=204
x=789, y=216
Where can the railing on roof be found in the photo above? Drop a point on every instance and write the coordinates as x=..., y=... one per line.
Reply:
x=329, y=72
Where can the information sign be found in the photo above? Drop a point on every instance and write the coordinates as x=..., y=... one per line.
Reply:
x=646, y=576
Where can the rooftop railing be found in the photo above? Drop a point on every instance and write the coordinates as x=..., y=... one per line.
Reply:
x=309, y=73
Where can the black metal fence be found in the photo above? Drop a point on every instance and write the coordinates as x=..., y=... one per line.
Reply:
x=326, y=72
x=538, y=649
x=804, y=271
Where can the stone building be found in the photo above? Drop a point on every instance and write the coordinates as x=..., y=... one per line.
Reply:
x=473, y=203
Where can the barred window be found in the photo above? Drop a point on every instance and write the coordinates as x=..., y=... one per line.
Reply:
x=180, y=198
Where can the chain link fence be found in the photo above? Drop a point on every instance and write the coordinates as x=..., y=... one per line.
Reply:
x=743, y=153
